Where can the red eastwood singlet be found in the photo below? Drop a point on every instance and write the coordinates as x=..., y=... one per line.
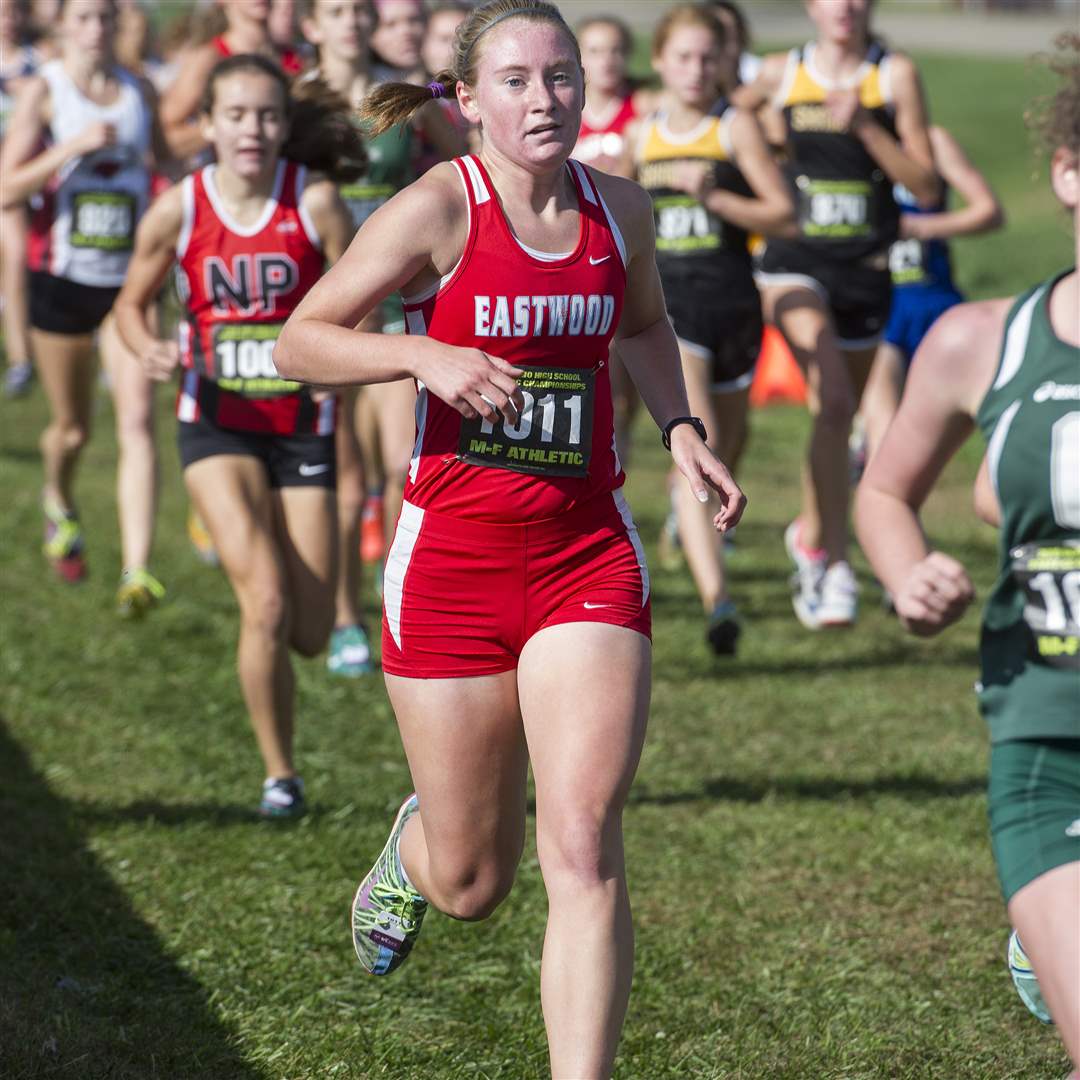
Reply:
x=239, y=284
x=608, y=139
x=289, y=59
x=553, y=317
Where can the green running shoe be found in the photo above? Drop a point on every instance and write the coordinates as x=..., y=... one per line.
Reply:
x=139, y=591
x=387, y=911
x=1023, y=977
x=63, y=545
x=1024, y=980
x=350, y=652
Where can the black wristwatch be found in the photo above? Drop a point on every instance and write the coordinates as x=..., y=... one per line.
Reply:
x=693, y=421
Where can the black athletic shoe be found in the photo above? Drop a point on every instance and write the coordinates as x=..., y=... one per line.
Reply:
x=724, y=629
x=283, y=798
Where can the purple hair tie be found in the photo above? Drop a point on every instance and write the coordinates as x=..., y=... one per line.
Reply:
x=437, y=89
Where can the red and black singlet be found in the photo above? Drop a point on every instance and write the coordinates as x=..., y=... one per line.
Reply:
x=239, y=284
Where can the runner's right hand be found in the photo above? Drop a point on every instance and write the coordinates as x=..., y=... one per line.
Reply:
x=160, y=360
x=935, y=594
x=95, y=137
x=473, y=382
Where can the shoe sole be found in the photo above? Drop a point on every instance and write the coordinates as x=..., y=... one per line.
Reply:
x=356, y=900
x=724, y=638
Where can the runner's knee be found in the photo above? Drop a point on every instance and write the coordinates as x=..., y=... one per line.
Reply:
x=582, y=849
x=470, y=889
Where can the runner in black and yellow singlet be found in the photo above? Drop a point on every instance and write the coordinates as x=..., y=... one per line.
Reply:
x=1011, y=367
x=712, y=180
x=852, y=119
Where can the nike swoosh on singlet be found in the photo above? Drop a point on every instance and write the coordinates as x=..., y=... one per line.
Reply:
x=1073, y=829
x=597, y=262
x=591, y=607
x=313, y=470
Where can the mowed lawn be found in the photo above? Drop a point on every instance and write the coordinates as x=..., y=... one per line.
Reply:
x=807, y=840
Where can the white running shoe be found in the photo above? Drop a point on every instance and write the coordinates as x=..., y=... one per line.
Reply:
x=807, y=580
x=839, y=597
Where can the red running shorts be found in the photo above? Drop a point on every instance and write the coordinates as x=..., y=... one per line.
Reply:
x=461, y=598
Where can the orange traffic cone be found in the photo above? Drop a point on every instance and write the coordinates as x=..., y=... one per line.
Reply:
x=778, y=377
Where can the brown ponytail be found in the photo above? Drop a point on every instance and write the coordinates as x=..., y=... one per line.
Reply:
x=395, y=103
x=321, y=136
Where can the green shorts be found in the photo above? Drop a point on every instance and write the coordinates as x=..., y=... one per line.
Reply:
x=1034, y=803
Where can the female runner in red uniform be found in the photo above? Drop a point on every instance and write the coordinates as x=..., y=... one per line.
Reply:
x=516, y=575
x=247, y=30
x=250, y=237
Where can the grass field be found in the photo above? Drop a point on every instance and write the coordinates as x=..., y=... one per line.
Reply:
x=807, y=841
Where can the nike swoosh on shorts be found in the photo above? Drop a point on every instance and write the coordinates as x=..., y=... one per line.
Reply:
x=313, y=470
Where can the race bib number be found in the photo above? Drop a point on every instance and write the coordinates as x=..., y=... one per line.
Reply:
x=551, y=437
x=104, y=220
x=364, y=199
x=1049, y=575
x=244, y=360
x=684, y=225
x=907, y=263
x=835, y=209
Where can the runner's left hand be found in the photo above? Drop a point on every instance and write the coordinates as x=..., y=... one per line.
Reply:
x=844, y=107
x=704, y=470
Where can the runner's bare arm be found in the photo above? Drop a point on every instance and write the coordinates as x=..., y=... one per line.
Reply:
x=648, y=348
x=330, y=216
x=981, y=212
x=906, y=159
x=180, y=103
x=155, y=252
x=24, y=173
x=935, y=417
x=770, y=210
x=392, y=251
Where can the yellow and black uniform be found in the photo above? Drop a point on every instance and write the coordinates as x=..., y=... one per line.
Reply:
x=847, y=215
x=704, y=261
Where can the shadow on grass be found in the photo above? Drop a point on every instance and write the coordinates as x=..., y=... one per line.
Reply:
x=688, y=665
x=87, y=988
x=155, y=811
x=913, y=788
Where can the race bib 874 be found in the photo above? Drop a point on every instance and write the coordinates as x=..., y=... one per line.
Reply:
x=551, y=437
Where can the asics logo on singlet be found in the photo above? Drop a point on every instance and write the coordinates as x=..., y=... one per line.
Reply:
x=252, y=285
x=1052, y=391
x=553, y=316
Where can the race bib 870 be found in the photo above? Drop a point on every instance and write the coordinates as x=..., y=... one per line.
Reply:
x=1049, y=575
x=835, y=209
x=551, y=437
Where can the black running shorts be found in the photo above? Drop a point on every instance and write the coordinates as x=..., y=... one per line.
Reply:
x=290, y=460
x=60, y=306
x=718, y=320
x=857, y=294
